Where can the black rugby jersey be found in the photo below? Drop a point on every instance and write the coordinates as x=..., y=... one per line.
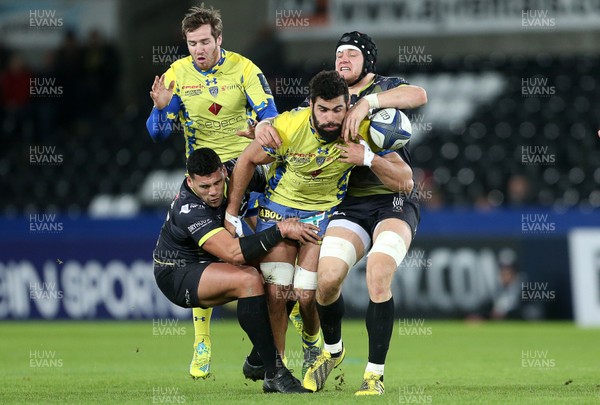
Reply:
x=190, y=222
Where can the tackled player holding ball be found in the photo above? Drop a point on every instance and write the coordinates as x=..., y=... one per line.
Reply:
x=371, y=211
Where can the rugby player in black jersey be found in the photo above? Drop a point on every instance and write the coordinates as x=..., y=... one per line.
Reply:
x=197, y=263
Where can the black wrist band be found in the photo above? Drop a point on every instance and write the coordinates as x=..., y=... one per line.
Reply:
x=256, y=245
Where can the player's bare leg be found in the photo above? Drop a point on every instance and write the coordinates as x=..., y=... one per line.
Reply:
x=305, y=285
x=392, y=239
x=339, y=252
x=223, y=282
x=278, y=272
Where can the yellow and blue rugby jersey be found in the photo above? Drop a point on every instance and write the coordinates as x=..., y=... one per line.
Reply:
x=307, y=174
x=364, y=182
x=212, y=105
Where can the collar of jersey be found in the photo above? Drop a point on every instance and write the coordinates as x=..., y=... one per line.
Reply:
x=213, y=69
x=366, y=86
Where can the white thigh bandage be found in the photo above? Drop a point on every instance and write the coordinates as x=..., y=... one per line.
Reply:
x=304, y=279
x=279, y=273
x=333, y=246
x=354, y=227
x=391, y=244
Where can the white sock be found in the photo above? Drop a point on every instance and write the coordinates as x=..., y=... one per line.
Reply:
x=334, y=348
x=375, y=368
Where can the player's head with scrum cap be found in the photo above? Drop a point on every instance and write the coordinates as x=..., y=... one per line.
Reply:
x=202, y=29
x=207, y=176
x=355, y=56
x=328, y=93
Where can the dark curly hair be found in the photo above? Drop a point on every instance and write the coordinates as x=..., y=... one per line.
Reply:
x=328, y=84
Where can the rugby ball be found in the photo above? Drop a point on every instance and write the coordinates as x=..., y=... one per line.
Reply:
x=390, y=129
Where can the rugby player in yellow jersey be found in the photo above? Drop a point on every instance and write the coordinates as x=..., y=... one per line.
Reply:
x=373, y=211
x=308, y=179
x=213, y=92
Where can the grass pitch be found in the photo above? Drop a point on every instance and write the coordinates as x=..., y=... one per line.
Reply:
x=429, y=362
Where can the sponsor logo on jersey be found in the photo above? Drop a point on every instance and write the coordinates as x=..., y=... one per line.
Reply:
x=267, y=215
x=186, y=208
x=197, y=225
x=211, y=81
x=195, y=92
x=215, y=108
x=316, y=173
x=206, y=124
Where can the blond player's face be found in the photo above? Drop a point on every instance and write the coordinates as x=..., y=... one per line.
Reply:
x=205, y=50
x=209, y=188
x=349, y=64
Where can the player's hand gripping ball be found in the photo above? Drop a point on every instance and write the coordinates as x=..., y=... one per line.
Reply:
x=390, y=128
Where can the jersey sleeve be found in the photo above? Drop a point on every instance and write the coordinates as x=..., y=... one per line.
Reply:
x=305, y=102
x=392, y=82
x=258, y=92
x=160, y=122
x=199, y=225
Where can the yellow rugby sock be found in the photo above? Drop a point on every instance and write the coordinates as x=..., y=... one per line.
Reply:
x=310, y=340
x=201, y=318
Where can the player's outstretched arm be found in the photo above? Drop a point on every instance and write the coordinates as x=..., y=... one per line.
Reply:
x=166, y=107
x=238, y=251
x=243, y=171
x=401, y=97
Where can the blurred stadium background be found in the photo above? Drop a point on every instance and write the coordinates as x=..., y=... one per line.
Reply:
x=506, y=151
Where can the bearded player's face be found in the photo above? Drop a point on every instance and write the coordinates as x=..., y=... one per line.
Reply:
x=349, y=64
x=328, y=116
x=205, y=49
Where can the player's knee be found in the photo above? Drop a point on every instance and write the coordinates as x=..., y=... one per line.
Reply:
x=390, y=244
x=379, y=292
x=250, y=282
x=277, y=273
x=329, y=288
x=338, y=248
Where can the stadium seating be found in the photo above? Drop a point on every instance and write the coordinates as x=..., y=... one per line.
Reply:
x=469, y=146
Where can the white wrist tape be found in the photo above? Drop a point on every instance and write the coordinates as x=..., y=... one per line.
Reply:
x=263, y=122
x=369, y=155
x=372, y=100
x=236, y=222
